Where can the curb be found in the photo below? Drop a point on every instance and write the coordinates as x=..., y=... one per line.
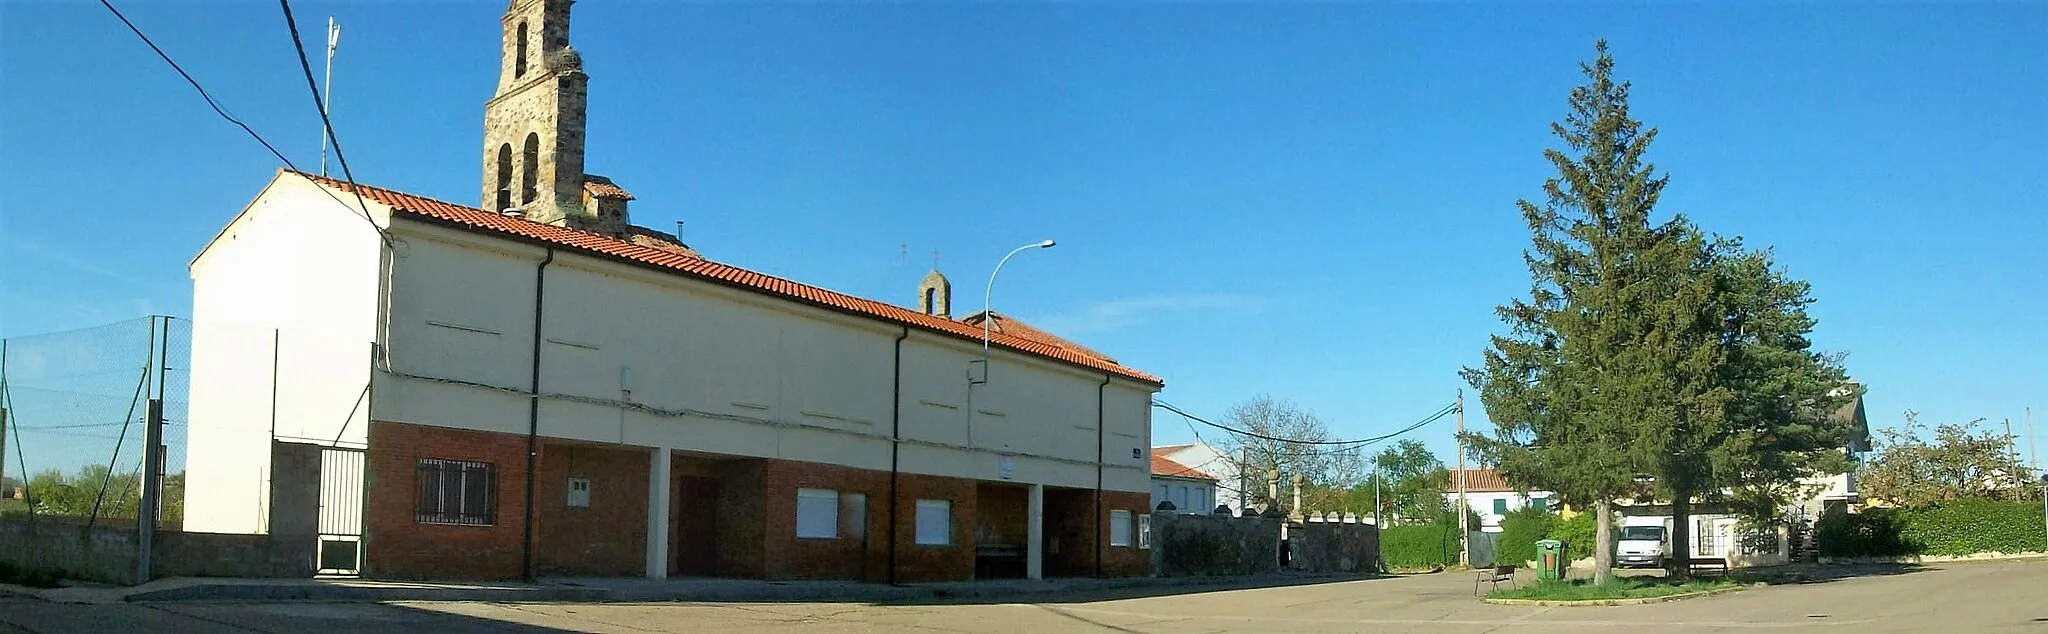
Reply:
x=1612, y=602
x=569, y=593
x=237, y=592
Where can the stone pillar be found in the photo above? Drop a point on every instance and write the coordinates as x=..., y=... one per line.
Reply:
x=1034, y=545
x=658, y=481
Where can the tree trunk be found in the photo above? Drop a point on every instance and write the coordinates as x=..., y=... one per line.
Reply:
x=1679, y=559
x=1603, y=544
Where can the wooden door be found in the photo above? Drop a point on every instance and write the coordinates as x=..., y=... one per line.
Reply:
x=693, y=541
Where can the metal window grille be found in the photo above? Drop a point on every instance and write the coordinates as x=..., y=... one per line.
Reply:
x=456, y=492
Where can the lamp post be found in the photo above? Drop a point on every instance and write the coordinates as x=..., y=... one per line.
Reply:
x=990, y=292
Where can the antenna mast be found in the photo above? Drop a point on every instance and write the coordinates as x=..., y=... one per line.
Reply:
x=327, y=94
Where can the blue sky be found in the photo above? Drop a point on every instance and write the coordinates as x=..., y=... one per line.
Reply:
x=1313, y=201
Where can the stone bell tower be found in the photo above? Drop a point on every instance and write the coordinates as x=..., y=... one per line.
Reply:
x=533, y=126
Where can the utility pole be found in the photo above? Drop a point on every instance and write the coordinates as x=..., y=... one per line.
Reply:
x=1464, y=540
x=2012, y=443
x=153, y=460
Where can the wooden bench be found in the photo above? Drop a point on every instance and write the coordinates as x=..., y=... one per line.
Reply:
x=1494, y=575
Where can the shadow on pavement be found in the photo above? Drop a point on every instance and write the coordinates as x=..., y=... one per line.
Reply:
x=1809, y=573
x=1085, y=594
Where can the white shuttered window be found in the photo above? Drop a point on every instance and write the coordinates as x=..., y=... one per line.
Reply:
x=817, y=514
x=934, y=523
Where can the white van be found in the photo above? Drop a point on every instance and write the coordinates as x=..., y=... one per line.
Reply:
x=1643, y=542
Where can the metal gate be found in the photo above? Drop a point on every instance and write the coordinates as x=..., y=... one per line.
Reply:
x=1485, y=549
x=341, y=511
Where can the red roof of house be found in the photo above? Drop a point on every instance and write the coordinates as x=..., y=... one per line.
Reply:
x=1011, y=326
x=1161, y=466
x=474, y=219
x=1481, y=481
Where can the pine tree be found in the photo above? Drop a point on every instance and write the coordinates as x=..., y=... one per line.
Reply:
x=1604, y=373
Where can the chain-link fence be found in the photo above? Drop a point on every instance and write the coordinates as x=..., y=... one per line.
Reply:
x=77, y=411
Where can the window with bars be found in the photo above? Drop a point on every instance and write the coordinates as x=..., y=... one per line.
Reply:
x=456, y=492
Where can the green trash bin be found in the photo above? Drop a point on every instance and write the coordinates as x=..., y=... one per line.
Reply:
x=1549, y=559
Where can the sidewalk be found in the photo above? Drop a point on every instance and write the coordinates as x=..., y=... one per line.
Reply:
x=628, y=590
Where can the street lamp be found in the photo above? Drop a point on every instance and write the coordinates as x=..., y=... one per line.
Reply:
x=986, y=294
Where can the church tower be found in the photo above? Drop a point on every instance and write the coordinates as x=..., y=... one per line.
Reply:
x=533, y=126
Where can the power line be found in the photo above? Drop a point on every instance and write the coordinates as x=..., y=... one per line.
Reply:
x=361, y=209
x=195, y=83
x=299, y=46
x=1446, y=411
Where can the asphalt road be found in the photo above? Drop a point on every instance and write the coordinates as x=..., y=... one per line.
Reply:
x=1977, y=597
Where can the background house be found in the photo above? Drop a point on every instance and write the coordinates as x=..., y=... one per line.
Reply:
x=1491, y=498
x=1214, y=461
x=1190, y=490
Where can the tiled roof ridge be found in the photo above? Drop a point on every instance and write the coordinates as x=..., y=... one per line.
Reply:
x=699, y=267
x=1168, y=467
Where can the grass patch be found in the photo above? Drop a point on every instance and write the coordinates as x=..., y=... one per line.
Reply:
x=1615, y=589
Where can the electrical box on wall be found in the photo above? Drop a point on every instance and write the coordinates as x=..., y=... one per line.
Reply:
x=579, y=492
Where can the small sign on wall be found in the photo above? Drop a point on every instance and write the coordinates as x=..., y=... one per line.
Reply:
x=579, y=493
x=1137, y=453
x=1008, y=466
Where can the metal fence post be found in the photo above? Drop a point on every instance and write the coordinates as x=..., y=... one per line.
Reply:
x=152, y=488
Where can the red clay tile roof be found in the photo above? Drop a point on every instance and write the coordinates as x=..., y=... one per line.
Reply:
x=660, y=241
x=602, y=187
x=1481, y=481
x=482, y=221
x=1011, y=326
x=1161, y=466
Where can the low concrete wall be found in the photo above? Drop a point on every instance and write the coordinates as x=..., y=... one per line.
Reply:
x=100, y=553
x=1333, y=547
x=107, y=554
x=228, y=555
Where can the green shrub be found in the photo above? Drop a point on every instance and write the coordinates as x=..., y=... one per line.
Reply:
x=1419, y=547
x=1578, y=534
x=1955, y=528
x=1519, y=532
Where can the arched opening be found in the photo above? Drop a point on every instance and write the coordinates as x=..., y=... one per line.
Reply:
x=931, y=301
x=519, y=59
x=504, y=177
x=530, y=167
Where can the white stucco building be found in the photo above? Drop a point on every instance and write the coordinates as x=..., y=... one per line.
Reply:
x=663, y=413
x=1189, y=489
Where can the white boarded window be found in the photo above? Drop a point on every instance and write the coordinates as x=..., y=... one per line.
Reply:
x=853, y=515
x=1120, y=528
x=934, y=523
x=817, y=514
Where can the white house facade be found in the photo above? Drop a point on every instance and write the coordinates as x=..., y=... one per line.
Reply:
x=548, y=390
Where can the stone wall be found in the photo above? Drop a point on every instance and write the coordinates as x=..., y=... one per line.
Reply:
x=1216, y=545
x=1211, y=545
x=1333, y=547
x=107, y=554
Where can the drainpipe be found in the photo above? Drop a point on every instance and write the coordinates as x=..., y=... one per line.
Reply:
x=1101, y=538
x=540, y=286
x=895, y=447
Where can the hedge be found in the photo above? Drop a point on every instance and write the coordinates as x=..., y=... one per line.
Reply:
x=1954, y=529
x=1519, y=532
x=1578, y=535
x=1419, y=547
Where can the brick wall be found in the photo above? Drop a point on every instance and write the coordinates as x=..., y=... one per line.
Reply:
x=917, y=563
x=607, y=538
x=1069, y=530
x=1125, y=561
x=844, y=557
x=742, y=539
x=1003, y=514
x=398, y=547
